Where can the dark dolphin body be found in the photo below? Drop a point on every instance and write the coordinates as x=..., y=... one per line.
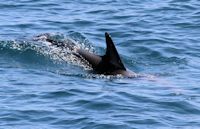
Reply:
x=108, y=64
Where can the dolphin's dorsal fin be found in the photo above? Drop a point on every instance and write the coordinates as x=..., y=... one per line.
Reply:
x=112, y=55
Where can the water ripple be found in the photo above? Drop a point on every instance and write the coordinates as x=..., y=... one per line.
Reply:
x=159, y=40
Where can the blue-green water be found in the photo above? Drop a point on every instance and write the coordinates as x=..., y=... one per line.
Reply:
x=157, y=39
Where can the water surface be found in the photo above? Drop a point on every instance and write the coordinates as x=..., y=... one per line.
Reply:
x=157, y=39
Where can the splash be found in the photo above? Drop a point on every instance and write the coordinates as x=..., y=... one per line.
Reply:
x=39, y=45
x=64, y=50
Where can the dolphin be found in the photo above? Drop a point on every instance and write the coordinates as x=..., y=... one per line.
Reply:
x=108, y=64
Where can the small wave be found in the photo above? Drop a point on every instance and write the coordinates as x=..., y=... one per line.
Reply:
x=30, y=49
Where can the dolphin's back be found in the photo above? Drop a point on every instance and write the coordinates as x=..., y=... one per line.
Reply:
x=107, y=64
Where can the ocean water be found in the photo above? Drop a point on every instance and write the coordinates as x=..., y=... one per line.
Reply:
x=44, y=88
